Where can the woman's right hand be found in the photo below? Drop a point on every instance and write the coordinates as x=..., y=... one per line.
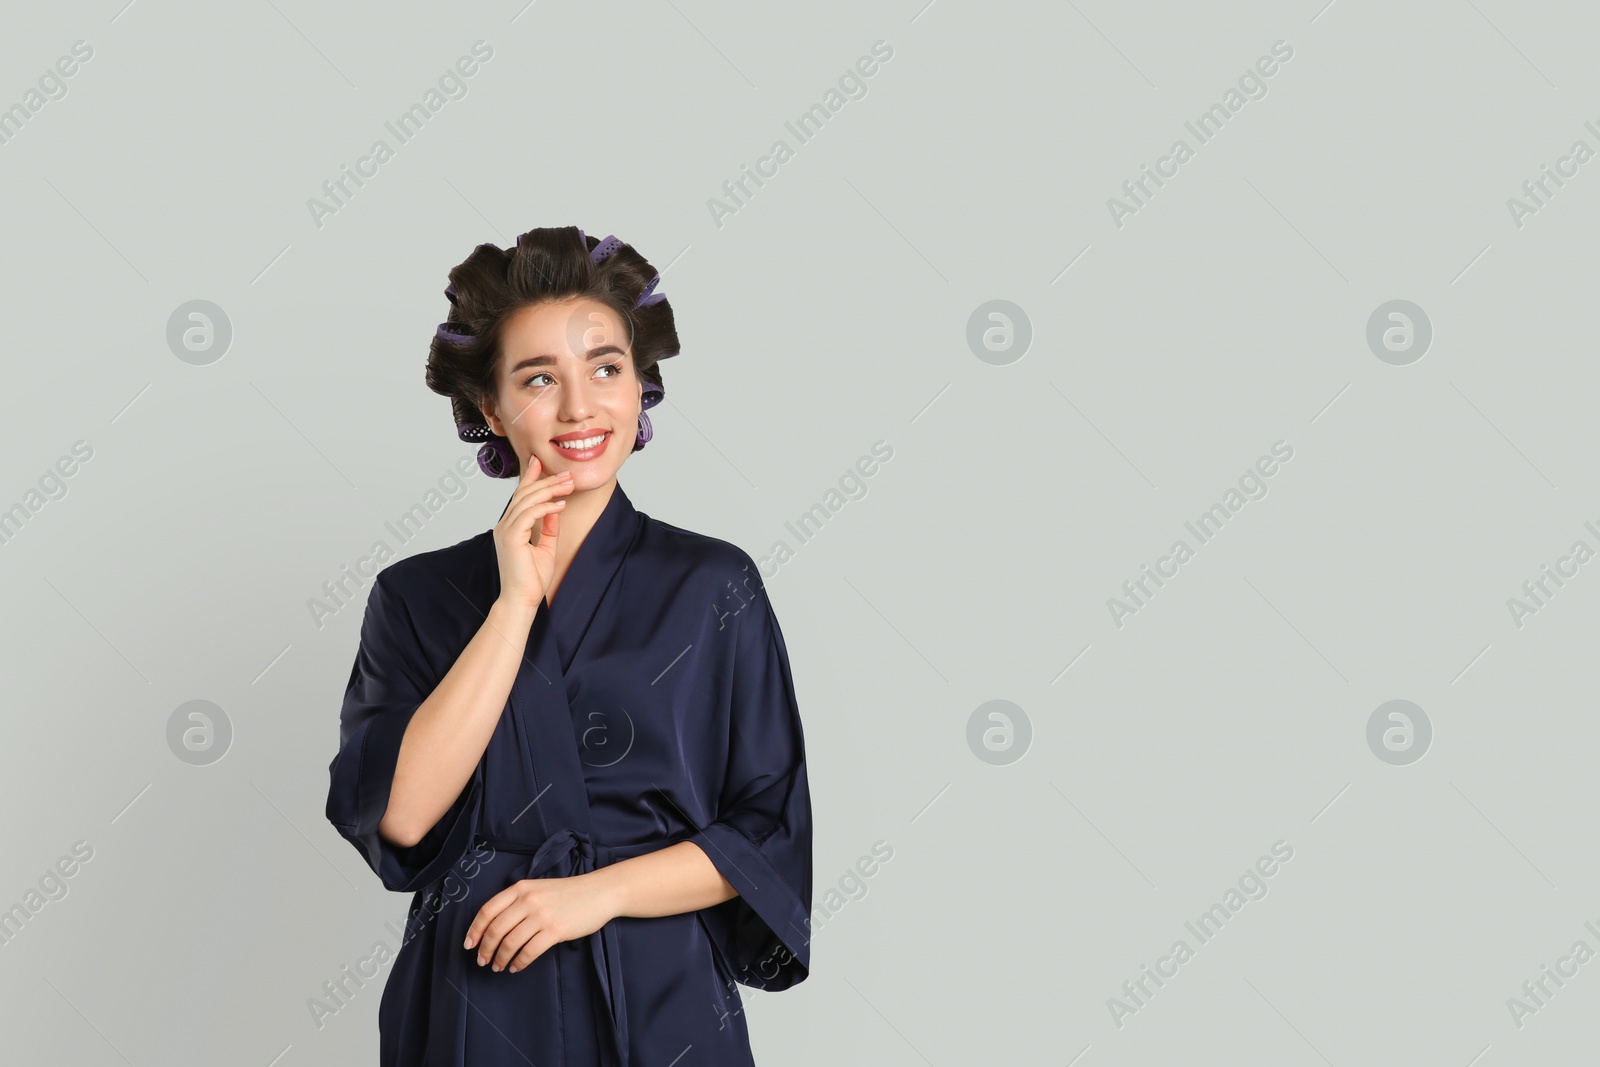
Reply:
x=526, y=569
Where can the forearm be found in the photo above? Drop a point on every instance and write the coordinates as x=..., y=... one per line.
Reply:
x=449, y=731
x=668, y=881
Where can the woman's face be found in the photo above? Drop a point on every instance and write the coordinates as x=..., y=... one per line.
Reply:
x=566, y=376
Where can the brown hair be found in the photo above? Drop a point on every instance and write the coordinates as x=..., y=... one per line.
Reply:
x=544, y=265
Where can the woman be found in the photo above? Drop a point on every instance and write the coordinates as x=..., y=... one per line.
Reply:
x=574, y=736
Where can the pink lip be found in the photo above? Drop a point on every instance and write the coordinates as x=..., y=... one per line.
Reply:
x=586, y=454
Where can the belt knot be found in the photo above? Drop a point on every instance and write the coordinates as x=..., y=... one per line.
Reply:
x=564, y=854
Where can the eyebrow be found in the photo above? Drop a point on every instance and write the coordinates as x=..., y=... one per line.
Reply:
x=549, y=361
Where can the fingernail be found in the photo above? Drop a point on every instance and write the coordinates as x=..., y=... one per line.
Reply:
x=467, y=943
x=480, y=961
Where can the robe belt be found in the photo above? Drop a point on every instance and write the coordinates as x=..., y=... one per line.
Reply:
x=568, y=853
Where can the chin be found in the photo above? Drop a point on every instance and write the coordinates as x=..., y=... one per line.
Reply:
x=587, y=474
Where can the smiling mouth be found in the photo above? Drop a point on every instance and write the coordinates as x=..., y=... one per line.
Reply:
x=584, y=447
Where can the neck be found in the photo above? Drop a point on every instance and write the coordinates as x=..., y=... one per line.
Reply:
x=583, y=510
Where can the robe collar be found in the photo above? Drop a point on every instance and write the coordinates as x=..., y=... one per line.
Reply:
x=597, y=561
x=545, y=728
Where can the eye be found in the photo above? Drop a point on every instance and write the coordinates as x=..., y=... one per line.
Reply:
x=614, y=368
x=530, y=380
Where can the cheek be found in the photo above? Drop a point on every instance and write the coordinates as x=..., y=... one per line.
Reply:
x=523, y=415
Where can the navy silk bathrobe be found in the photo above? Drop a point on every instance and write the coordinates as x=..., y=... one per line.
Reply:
x=654, y=704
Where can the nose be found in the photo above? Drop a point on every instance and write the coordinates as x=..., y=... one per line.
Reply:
x=575, y=400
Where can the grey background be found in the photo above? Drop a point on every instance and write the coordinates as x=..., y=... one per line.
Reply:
x=1166, y=756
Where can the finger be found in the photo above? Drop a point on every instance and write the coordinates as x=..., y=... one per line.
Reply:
x=532, y=950
x=536, y=485
x=507, y=934
x=541, y=489
x=511, y=944
x=549, y=533
x=533, y=471
x=485, y=946
x=487, y=914
x=523, y=518
x=522, y=515
x=498, y=928
x=551, y=530
x=531, y=468
x=480, y=922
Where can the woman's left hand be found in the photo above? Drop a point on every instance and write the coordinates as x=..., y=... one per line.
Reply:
x=516, y=925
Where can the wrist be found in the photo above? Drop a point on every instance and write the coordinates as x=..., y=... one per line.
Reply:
x=508, y=612
x=611, y=886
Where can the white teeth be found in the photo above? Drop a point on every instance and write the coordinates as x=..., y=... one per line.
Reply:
x=579, y=446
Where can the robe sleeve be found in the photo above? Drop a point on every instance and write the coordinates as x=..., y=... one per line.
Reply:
x=760, y=840
x=390, y=679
